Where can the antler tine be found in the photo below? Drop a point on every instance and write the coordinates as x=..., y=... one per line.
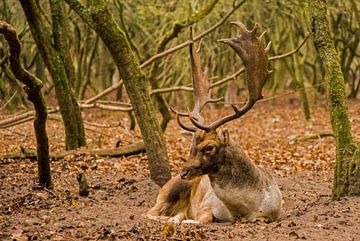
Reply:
x=197, y=123
x=242, y=27
x=200, y=80
x=255, y=60
x=262, y=35
x=181, y=124
x=201, y=86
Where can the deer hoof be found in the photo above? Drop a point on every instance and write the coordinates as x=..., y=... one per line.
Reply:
x=190, y=221
x=174, y=220
x=260, y=220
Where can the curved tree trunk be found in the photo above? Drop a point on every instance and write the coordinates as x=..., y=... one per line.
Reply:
x=33, y=90
x=100, y=19
x=58, y=67
x=347, y=170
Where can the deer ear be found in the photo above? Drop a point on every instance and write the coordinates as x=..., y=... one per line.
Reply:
x=187, y=134
x=223, y=135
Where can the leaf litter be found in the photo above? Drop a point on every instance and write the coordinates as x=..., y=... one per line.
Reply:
x=121, y=192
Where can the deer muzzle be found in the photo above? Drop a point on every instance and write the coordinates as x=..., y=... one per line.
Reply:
x=190, y=172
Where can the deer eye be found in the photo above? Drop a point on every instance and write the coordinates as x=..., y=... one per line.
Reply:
x=209, y=149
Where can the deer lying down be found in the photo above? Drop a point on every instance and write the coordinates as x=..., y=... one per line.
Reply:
x=191, y=201
x=245, y=189
x=219, y=180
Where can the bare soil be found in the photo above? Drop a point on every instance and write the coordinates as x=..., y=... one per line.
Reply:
x=122, y=192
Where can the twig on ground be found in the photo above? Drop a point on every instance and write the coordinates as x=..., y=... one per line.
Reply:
x=127, y=150
x=312, y=136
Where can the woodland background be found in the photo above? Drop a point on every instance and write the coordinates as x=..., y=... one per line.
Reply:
x=147, y=25
x=288, y=132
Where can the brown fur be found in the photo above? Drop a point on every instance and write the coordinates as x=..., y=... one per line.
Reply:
x=225, y=183
x=180, y=190
x=218, y=182
x=245, y=189
x=188, y=201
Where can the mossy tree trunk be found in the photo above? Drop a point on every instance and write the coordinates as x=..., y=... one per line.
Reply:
x=33, y=89
x=56, y=59
x=347, y=169
x=99, y=18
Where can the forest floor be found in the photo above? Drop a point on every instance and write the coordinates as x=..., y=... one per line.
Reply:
x=122, y=192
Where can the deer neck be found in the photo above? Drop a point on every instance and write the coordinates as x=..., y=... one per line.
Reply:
x=235, y=168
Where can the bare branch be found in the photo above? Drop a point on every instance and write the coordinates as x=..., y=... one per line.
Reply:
x=105, y=107
x=82, y=11
x=237, y=73
x=185, y=44
x=291, y=52
x=9, y=100
x=104, y=93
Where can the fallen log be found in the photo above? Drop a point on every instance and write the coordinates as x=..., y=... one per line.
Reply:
x=312, y=137
x=128, y=150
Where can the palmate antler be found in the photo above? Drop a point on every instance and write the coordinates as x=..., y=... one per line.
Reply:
x=255, y=59
x=201, y=87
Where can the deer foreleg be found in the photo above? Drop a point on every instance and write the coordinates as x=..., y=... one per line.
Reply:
x=178, y=218
x=204, y=215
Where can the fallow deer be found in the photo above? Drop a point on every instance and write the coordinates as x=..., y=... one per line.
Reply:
x=219, y=180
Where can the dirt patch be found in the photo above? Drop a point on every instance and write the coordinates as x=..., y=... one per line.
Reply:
x=116, y=204
x=122, y=192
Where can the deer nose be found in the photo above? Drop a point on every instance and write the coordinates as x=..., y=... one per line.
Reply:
x=184, y=174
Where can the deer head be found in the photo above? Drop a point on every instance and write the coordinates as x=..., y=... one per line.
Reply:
x=209, y=145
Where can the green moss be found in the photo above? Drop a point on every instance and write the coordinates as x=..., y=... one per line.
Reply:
x=136, y=86
x=73, y=123
x=179, y=25
x=354, y=174
x=345, y=144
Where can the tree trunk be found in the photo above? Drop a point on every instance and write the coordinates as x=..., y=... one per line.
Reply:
x=100, y=19
x=69, y=109
x=347, y=169
x=33, y=90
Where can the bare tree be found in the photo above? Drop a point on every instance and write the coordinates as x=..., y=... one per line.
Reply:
x=33, y=90
x=59, y=67
x=99, y=18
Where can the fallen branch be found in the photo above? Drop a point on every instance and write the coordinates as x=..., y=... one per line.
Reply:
x=128, y=150
x=22, y=118
x=104, y=125
x=30, y=115
x=312, y=136
x=105, y=107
